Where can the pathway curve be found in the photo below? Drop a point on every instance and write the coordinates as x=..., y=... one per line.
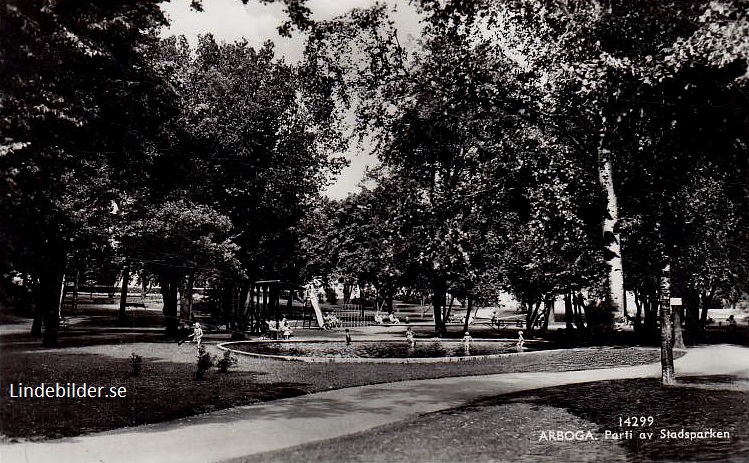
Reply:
x=247, y=430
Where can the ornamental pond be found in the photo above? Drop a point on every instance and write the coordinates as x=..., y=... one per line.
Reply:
x=382, y=351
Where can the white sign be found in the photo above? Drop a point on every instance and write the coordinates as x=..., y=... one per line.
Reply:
x=675, y=301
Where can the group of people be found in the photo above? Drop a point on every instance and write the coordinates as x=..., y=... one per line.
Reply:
x=389, y=318
x=281, y=328
x=330, y=321
x=467, y=340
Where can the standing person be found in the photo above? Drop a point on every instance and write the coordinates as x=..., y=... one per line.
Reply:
x=348, y=337
x=410, y=337
x=521, y=340
x=197, y=335
x=467, y=340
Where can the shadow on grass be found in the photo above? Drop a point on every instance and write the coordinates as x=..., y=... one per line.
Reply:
x=673, y=408
x=80, y=338
x=164, y=390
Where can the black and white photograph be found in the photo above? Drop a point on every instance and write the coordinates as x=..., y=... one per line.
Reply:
x=374, y=231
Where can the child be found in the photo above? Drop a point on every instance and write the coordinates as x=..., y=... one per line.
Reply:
x=410, y=337
x=520, y=340
x=197, y=334
x=467, y=340
x=348, y=337
x=286, y=329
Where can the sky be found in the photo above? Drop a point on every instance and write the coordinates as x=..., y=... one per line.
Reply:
x=230, y=20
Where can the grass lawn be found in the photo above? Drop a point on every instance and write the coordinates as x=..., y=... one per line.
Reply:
x=165, y=388
x=509, y=428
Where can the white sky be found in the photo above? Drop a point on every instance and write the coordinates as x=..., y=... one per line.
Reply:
x=230, y=20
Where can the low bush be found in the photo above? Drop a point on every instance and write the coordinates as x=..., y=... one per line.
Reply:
x=205, y=362
x=226, y=362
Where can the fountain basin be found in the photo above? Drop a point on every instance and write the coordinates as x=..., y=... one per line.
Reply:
x=381, y=351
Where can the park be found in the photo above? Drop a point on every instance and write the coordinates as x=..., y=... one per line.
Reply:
x=546, y=259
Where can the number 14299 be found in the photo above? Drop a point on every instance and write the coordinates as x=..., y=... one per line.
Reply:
x=635, y=421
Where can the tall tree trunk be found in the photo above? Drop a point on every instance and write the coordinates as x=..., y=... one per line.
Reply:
x=590, y=321
x=347, y=288
x=169, y=291
x=650, y=305
x=532, y=315
x=50, y=293
x=468, y=314
x=578, y=304
x=678, y=335
x=611, y=238
x=123, y=295
x=439, y=288
x=185, y=296
x=692, y=315
x=239, y=317
x=706, y=301
x=548, y=313
x=242, y=316
x=49, y=303
x=568, y=311
x=667, y=347
x=448, y=309
x=36, y=325
x=638, y=315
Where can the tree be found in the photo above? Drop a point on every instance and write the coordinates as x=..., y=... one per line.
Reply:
x=713, y=260
x=358, y=240
x=252, y=143
x=583, y=75
x=621, y=77
x=554, y=250
x=449, y=124
x=80, y=106
x=178, y=241
x=686, y=123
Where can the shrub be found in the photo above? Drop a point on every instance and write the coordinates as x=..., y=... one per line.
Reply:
x=205, y=362
x=226, y=362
